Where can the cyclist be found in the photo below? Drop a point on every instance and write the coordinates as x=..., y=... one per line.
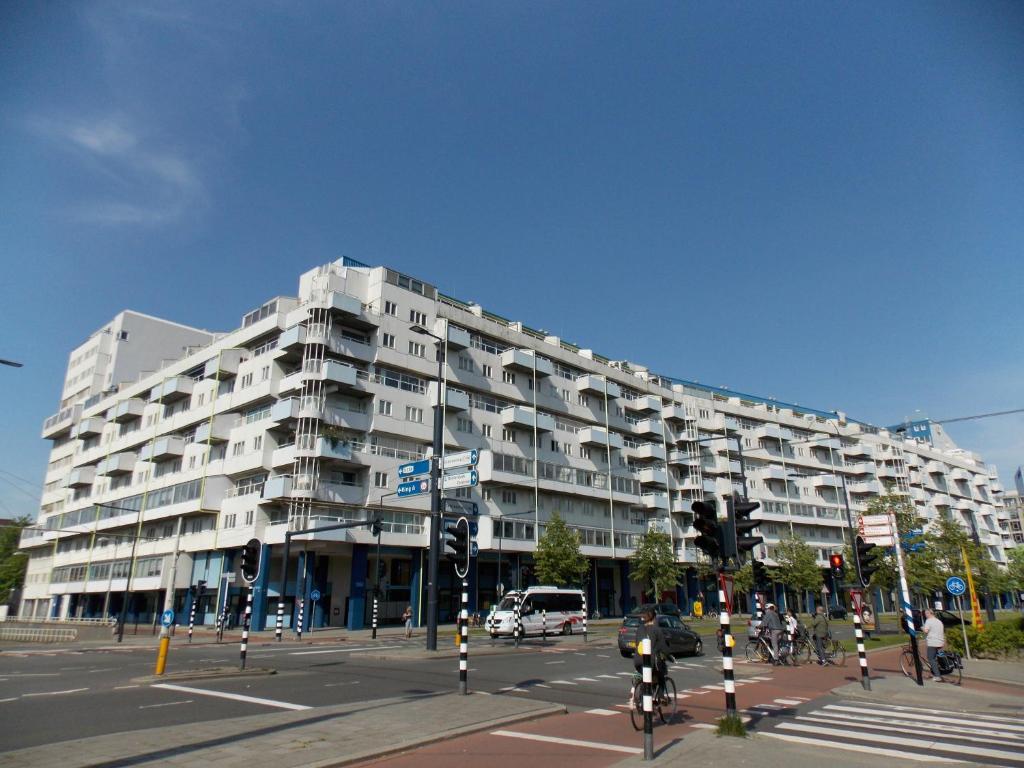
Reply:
x=935, y=640
x=773, y=626
x=659, y=648
x=819, y=629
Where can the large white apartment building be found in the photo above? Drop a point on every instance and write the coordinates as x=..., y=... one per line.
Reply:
x=303, y=414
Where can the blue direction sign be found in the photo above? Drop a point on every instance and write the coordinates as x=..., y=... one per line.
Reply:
x=413, y=468
x=314, y=595
x=167, y=618
x=955, y=586
x=413, y=488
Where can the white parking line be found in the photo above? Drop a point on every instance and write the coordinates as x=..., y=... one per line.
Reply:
x=168, y=704
x=570, y=742
x=53, y=693
x=232, y=696
x=586, y=679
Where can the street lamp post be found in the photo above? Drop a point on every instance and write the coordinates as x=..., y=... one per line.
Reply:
x=433, y=553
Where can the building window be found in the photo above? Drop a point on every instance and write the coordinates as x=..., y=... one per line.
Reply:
x=555, y=447
x=508, y=435
x=584, y=452
x=508, y=377
x=462, y=493
x=487, y=371
x=582, y=399
x=465, y=363
x=390, y=308
x=250, y=516
x=417, y=318
x=508, y=497
x=485, y=430
x=229, y=521
x=122, y=335
x=567, y=395
x=380, y=480
x=464, y=425
x=257, y=443
x=412, y=413
x=238, y=448
x=388, y=340
x=416, y=349
x=384, y=407
x=264, y=373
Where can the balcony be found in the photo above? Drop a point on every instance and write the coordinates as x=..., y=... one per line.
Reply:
x=129, y=409
x=770, y=472
x=81, y=477
x=458, y=338
x=713, y=423
x=90, y=427
x=224, y=365
x=345, y=305
x=523, y=416
x=60, y=423
x=277, y=488
x=960, y=474
x=935, y=468
x=677, y=413
x=291, y=343
x=173, y=389
x=651, y=427
x=684, y=457
x=885, y=471
x=595, y=385
x=644, y=404
x=828, y=480
x=216, y=430
x=656, y=500
x=455, y=400
x=653, y=476
x=867, y=486
x=861, y=468
x=860, y=449
x=332, y=449
x=290, y=384
x=117, y=464
x=691, y=483
x=599, y=436
x=768, y=432
x=521, y=360
x=168, y=447
x=649, y=452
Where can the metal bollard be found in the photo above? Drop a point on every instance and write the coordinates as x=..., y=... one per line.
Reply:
x=191, y=619
x=464, y=640
x=302, y=620
x=544, y=623
x=517, y=626
x=728, y=681
x=245, y=626
x=374, y=635
x=648, y=694
x=279, y=627
x=584, y=617
x=865, y=678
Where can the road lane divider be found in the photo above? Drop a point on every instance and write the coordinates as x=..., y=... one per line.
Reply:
x=232, y=696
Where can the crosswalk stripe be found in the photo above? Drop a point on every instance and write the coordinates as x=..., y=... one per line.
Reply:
x=604, y=712
x=561, y=682
x=944, y=718
x=902, y=741
x=923, y=758
x=1013, y=721
x=609, y=677
x=870, y=723
x=789, y=702
x=625, y=674
x=586, y=679
x=962, y=726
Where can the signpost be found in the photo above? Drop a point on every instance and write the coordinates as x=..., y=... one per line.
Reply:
x=956, y=587
x=412, y=488
x=314, y=596
x=414, y=468
x=459, y=480
x=908, y=609
x=167, y=618
x=461, y=459
x=460, y=508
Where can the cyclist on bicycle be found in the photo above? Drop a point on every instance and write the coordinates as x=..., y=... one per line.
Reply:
x=659, y=648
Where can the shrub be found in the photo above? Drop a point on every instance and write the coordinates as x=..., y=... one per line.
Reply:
x=1000, y=638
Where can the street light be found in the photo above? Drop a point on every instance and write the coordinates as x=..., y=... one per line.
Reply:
x=11, y=363
x=435, y=492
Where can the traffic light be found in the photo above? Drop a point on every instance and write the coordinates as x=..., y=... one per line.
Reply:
x=743, y=527
x=251, y=560
x=705, y=522
x=760, y=573
x=456, y=544
x=375, y=528
x=866, y=562
x=200, y=589
x=836, y=561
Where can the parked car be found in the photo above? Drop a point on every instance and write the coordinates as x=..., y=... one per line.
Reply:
x=680, y=638
x=837, y=612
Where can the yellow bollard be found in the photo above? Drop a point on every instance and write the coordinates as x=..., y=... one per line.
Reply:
x=161, y=657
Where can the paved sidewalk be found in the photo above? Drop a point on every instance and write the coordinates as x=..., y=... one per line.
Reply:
x=315, y=738
x=965, y=698
x=1006, y=671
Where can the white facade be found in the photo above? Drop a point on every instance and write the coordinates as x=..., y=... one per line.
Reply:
x=305, y=412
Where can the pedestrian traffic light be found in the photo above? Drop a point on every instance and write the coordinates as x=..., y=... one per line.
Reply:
x=251, y=560
x=760, y=573
x=456, y=544
x=705, y=522
x=866, y=562
x=836, y=561
x=743, y=526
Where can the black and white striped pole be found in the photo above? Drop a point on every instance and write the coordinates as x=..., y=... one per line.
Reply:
x=648, y=698
x=464, y=640
x=279, y=627
x=858, y=602
x=544, y=623
x=374, y=634
x=245, y=625
x=584, y=616
x=302, y=618
x=728, y=680
x=517, y=625
x=192, y=618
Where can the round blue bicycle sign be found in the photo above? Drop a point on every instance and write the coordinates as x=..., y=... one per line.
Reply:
x=955, y=586
x=167, y=617
x=314, y=595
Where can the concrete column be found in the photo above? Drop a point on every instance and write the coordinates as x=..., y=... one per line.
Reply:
x=357, y=591
x=416, y=585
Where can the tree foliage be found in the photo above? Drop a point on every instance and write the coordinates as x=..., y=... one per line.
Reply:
x=1015, y=569
x=558, y=560
x=12, y=565
x=654, y=563
x=797, y=566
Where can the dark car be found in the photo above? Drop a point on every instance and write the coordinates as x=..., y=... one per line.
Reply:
x=837, y=612
x=947, y=618
x=680, y=638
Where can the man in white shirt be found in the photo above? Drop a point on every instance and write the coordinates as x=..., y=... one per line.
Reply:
x=935, y=639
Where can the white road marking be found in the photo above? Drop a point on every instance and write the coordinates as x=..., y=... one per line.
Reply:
x=232, y=696
x=54, y=693
x=122, y=687
x=976, y=734
x=15, y=698
x=344, y=650
x=554, y=662
x=625, y=674
x=788, y=702
x=908, y=715
x=586, y=679
x=603, y=712
x=335, y=685
x=541, y=685
x=919, y=756
x=570, y=742
x=168, y=704
x=703, y=725
x=609, y=677
x=560, y=682
x=603, y=656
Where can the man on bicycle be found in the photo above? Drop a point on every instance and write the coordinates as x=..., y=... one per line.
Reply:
x=659, y=648
x=773, y=626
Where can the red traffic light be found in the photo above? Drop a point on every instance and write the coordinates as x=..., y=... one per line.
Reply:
x=836, y=560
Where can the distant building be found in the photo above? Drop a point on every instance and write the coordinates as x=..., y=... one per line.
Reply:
x=193, y=442
x=1013, y=519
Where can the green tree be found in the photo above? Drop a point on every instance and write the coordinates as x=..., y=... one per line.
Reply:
x=654, y=563
x=798, y=567
x=743, y=579
x=558, y=560
x=1015, y=569
x=12, y=565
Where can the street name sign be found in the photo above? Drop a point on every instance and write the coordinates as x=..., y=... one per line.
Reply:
x=881, y=541
x=413, y=468
x=460, y=508
x=412, y=488
x=461, y=459
x=875, y=520
x=460, y=480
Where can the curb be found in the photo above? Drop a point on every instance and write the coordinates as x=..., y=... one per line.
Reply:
x=205, y=674
x=465, y=730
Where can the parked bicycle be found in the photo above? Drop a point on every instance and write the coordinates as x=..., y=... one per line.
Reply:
x=951, y=664
x=664, y=704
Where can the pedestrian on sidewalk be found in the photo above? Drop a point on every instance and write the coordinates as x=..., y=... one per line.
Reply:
x=819, y=630
x=935, y=640
x=773, y=624
x=407, y=619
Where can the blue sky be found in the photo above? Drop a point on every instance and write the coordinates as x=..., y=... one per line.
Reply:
x=817, y=202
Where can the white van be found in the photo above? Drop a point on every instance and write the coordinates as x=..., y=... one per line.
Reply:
x=564, y=612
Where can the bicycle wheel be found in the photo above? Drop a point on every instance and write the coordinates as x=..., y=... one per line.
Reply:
x=907, y=663
x=667, y=711
x=802, y=652
x=636, y=712
x=753, y=651
x=951, y=669
x=837, y=654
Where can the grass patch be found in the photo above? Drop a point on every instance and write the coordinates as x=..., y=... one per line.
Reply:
x=876, y=641
x=731, y=725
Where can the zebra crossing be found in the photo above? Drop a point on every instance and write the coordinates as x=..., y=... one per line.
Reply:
x=908, y=733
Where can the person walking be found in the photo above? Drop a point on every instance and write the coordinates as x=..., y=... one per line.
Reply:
x=935, y=640
x=819, y=630
x=407, y=619
x=773, y=625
